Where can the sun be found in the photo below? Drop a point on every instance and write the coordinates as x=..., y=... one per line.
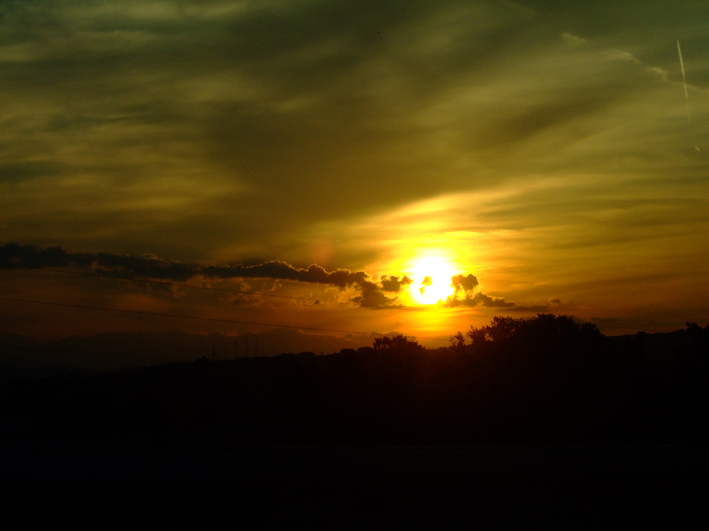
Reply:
x=432, y=279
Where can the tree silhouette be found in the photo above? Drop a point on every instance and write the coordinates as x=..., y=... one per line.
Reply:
x=397, y=343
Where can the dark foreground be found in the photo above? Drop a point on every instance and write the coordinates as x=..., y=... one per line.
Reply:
x=534, y=422
x=355, y=488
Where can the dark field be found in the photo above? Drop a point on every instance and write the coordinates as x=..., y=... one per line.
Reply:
x=546, y=420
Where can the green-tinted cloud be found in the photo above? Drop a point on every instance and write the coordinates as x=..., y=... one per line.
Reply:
x=225, y=131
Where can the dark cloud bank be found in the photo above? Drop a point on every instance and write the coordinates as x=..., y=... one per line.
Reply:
x=16, y=256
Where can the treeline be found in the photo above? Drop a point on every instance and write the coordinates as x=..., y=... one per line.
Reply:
x=545, y=380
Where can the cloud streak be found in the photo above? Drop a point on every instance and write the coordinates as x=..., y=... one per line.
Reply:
x=684, y=80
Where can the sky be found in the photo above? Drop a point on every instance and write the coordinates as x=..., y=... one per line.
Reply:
x=352, y=166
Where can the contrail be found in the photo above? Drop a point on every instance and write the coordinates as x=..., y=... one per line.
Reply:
x=684, y=80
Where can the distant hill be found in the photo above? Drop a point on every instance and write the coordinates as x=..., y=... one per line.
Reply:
x=21, y=356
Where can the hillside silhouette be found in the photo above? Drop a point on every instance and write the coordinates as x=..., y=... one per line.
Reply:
x=539, y=381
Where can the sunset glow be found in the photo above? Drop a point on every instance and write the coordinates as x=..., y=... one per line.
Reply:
x=331, y=165
x=431, y=280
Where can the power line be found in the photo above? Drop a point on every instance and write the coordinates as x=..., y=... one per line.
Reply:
x=211, y=319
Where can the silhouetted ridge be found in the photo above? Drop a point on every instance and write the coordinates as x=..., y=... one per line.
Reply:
x=545, y=380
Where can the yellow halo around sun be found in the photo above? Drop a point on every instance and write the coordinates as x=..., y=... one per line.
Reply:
x=431, y=279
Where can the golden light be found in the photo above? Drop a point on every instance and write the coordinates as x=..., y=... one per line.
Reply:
x=432, y=279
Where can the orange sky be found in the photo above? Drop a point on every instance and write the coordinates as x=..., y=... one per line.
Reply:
x=549, y=151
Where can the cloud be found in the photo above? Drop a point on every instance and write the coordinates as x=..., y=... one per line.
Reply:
x=372, y=297
x=394, y=284
x=284, y=271
x=619, y=55
x=479, y=299
x=573, y=40
x=468, y=284
x=13, y=255
x=427, y=281
x=491, y=302
x=241, y=300
x=537, y=308
x=182, y=127
x=16, y=256
x=188, y=113
x=463, y=283
x=659, y=72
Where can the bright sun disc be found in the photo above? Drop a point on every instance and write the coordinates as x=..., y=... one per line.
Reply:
x=432, y=279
